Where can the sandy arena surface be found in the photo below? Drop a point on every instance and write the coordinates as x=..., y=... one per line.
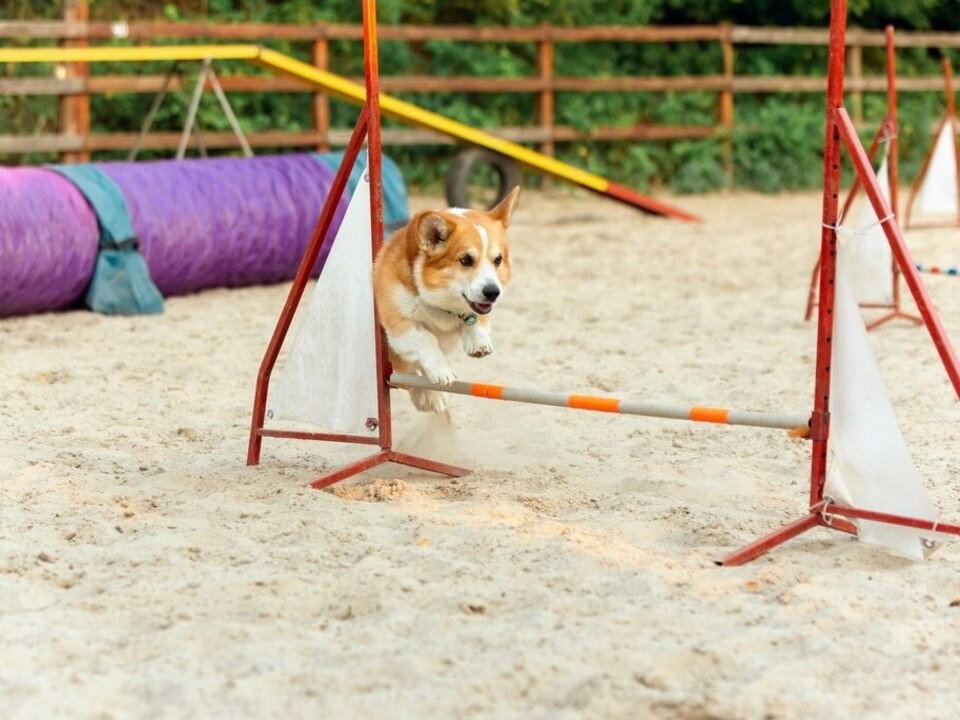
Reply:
x=146, y=572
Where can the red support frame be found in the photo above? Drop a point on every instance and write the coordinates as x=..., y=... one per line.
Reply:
x=886, y=133
x=950, y=117
x=324, y=234
x=840, y=133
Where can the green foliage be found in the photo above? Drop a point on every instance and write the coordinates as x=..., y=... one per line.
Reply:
x=783, y=149
x=777, y=144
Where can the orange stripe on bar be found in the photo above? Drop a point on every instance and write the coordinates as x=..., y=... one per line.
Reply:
x=492, y=392
x=709, y=414
x=591, y=402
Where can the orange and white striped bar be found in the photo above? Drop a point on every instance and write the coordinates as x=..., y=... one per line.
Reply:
x=937, y=270
x=722, y=416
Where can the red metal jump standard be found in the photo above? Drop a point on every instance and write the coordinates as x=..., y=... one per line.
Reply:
x=367, y=126
x=822, y=511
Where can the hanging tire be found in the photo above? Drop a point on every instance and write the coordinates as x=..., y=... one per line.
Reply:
x=480, y=178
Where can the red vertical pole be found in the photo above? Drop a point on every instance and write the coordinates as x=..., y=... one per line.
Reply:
x=726, y=98
x=891, y=128
x=893, y=161
x=952, y=121
x=948, y=83
x=820, y=422
x=374, y=160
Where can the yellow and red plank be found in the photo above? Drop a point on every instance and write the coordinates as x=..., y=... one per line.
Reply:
x=354, y=92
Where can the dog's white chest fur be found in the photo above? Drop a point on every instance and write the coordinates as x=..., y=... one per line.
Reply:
x=437, y=321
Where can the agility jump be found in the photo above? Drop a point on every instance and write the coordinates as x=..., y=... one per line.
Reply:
x=911, y=518
x=935, y=192
x=884, y=143
x=823, y=510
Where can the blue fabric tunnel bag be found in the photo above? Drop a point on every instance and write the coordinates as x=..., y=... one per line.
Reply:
x=121, y=283
x=396, y=209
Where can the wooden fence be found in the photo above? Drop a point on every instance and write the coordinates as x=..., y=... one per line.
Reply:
x=74, y=85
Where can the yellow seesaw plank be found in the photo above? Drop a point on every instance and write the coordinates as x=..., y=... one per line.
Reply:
x=353, y=92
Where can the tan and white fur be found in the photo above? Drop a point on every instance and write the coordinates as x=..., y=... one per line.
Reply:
x=435, y=283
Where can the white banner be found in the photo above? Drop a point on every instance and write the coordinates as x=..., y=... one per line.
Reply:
x=938, y=191
x=330, y=376
x=869, y=258
x=871, y=467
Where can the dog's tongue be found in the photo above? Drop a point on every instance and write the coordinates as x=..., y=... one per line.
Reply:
x=482, y=308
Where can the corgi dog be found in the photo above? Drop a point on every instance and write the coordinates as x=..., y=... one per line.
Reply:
x=435, y=284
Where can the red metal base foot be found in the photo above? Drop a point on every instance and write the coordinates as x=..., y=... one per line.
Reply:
x=828, y=516
x=768, y=542
x=893, y=316
x=385, y=456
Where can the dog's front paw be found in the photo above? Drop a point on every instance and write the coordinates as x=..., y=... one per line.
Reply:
x=439, y=374
x=477, y=344
x=428, y=400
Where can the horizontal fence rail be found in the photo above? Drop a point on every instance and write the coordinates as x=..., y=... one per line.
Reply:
x=103, y=84
x=73, y=84
x=740, y=35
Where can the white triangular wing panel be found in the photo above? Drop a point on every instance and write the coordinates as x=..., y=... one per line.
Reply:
x=869, y=258
x=330, y=376
x=938, y=191
x=871, y=467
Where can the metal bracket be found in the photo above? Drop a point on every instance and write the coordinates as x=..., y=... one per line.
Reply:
x=192, y=125
x=819, y=425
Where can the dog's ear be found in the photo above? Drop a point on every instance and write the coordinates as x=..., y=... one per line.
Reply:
x=502, y=212
x=432, y=231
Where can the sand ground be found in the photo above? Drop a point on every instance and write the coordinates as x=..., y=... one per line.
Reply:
x=146, y=572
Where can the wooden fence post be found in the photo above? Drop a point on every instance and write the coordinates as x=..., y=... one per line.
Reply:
x=545, y=106
x=321, y=102
x=75, y=109
x=725, y=100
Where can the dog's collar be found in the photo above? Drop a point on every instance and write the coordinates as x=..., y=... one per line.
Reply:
x=469, y=319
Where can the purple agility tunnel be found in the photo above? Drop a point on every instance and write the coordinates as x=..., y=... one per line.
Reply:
x=48, y=241
x=223, y=222
x=201, y=223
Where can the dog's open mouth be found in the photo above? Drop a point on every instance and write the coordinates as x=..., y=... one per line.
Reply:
x=478, y=307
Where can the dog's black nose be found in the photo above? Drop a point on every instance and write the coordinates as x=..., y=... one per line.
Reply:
x=491, y=292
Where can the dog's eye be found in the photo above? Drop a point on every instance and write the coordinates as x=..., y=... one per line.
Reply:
x=467, y=260
x=497, y=260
